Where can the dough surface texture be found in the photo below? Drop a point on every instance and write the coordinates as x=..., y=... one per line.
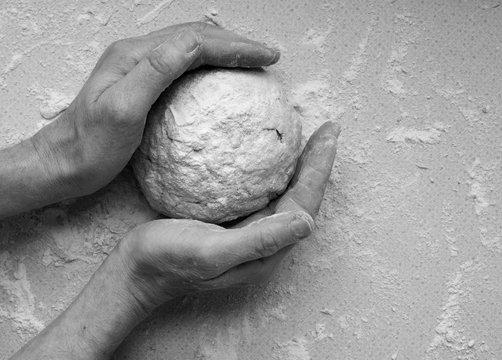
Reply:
x=219, y=144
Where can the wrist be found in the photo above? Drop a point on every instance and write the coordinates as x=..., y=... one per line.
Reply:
x=33, y=173
x=95, y=323
x=58, y=151
x=142, y=285
x=105, y=312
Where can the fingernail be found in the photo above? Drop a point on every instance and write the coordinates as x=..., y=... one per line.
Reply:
x=275, y=54
x=302, y=226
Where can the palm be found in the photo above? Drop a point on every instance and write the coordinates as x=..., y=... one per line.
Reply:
x=306, y=189
x=176, y=257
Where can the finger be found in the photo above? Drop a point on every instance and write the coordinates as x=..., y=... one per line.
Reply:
x=219, y=48
x=258, y=240
x=249, y=273
x=124, y=54
x=306, y=189
x=225, y=48
x=195, y=45
x=156, y=71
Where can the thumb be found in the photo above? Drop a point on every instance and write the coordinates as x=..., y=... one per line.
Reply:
x=262, y=238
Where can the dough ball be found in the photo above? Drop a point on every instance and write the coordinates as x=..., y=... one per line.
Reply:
x=219, y=144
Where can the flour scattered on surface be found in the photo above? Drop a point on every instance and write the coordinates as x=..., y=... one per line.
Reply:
x=394, y=77
x=403, y=134
x=316, y=38
x=222, y=343
x=277, y=312
x=213, y=16
x=9, y=136
x=327, y=311
x=395, y=86
x=491, y=242
x=455, y=94
x=49, y=258
x=154, y=13
x=54, y=103
x=489, y=4
x=344, y=321
x=219, y=348
x=295, y=349
x=320, y=333
x=18, y=305
x=315, y=101
x=398, y=218
x=446, y=333
x=359, y=59
x=449, y=232
x=359, y=153
x=14, y=62
x=470, y=113
x=305, y=98
x=449, y=334
x=478, y=190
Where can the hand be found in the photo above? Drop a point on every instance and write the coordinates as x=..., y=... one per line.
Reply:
x=95, y=137
x=169, y=258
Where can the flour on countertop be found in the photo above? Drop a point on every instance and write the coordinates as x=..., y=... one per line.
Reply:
x=54, y=103
x=415, y=136
x=406, y=258
x=295, y=349
x=18, y=303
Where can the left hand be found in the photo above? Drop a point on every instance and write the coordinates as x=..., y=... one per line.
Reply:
x=92, y=141
x=168, y=258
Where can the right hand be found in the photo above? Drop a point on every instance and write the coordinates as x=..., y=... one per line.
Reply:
x=168, y=258
x=92, y=141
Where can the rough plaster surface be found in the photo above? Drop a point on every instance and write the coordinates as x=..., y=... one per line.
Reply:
x=218, y=145
x=406, y=260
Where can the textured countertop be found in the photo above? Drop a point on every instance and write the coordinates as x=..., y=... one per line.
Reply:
x=406, y=260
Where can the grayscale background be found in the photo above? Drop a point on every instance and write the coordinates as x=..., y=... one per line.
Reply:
x=406, y=260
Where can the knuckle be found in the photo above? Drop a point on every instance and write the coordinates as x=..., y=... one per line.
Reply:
x=161, y=62
x=119, y=45
x=114, y=46
x=268, y=243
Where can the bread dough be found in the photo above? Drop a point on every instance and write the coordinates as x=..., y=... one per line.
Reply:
x=218, y=144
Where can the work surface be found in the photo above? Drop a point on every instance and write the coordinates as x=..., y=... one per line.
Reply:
x=406, y=260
